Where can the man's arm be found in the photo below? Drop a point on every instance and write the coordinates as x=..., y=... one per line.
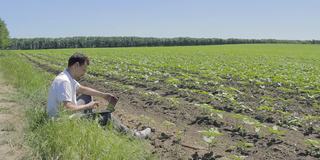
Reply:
x=93, y=92
x=74, y=107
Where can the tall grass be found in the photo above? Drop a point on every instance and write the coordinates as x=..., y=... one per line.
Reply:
x=64, y=138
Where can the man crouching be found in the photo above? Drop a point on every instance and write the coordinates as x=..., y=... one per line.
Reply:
x=65, y=87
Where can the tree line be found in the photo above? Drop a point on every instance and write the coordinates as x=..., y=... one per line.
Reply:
x=99, y=42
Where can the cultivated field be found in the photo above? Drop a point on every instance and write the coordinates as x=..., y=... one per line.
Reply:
x=258, y=101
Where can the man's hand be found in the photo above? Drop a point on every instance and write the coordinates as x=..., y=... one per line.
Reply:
x=109, y=97
x=73, y=107
x=93, y=104
x=92, y=92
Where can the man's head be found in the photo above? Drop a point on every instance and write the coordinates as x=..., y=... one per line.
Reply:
x=77, y=64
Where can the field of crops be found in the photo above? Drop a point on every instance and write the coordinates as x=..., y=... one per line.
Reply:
x=227, y=101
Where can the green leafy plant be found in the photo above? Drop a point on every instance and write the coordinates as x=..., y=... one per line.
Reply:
x=210, y=135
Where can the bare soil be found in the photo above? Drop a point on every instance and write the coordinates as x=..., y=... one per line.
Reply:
x=11, y=124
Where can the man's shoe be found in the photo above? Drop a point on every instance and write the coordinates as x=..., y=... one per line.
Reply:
x=143, y=134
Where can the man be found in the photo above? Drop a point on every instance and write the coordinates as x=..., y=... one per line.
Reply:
x=64, y=89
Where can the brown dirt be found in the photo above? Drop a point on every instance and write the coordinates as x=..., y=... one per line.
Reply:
x=11, y=124
x=133, y=112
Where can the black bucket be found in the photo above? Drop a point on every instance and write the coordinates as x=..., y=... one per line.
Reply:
x=103, y=117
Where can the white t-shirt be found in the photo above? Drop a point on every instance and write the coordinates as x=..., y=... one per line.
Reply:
x=63, y=88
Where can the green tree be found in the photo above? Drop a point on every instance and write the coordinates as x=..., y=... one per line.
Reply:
x=4, y=35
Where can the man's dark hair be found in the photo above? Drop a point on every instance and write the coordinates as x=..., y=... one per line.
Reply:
x=78, y=57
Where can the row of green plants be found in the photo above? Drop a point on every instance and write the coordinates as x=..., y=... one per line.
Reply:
x=207, y=75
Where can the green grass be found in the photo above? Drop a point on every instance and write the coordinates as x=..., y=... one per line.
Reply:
x=63, y=138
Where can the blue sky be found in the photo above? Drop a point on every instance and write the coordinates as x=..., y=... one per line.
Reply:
x=279, y=19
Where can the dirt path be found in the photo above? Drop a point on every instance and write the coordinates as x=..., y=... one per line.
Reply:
x=11, y=124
